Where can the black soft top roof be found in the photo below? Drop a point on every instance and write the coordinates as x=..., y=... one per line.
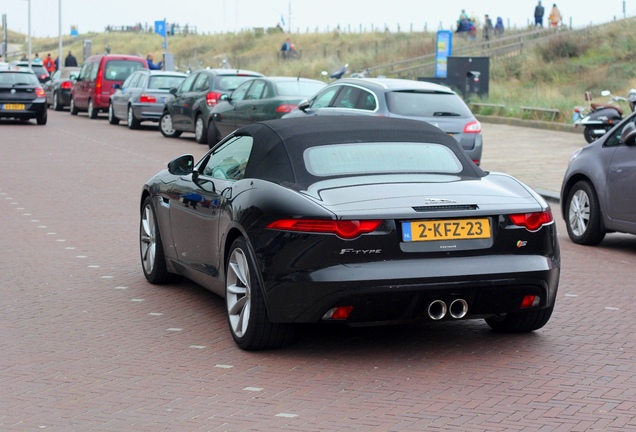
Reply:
x=277, y=154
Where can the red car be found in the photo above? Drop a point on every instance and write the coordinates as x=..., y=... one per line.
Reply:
x=92, y=89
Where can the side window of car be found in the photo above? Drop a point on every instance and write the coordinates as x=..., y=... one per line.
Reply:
x=85, y=73
x=94, y=71
x=202, y=83
x=255, y=92
x=129, y=81
x=347, y=98
x=228, y=161
x=241, y=91
x=323, y=98
x=187, y=84
x=615, y=139
x=142, y=81
x=366, y=101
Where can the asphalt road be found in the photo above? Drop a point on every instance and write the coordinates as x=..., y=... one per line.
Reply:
x=88, y=345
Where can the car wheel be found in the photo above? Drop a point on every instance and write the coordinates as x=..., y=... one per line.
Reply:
x=200, y=131
x=111, y=115
x=153, y=260
x=133, y=123
x=73, y=108
x=56, y=103
x=165, y=126
x=92, y=112
x=213, y=136
x=583, y=215
x=520, y=322
x=246, y=312
x=41, y=120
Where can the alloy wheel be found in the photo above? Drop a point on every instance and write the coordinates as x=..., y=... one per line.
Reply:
x=238, y=289
x=148, y=239
x=579, y=214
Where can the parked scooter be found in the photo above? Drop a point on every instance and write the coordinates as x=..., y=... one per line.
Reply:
x=598, y=118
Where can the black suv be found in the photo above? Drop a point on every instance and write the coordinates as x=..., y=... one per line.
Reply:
x=194, y=99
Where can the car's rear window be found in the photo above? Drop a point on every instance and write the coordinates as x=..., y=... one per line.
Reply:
x=164, y=82
x=119, y=70
x=424, y=104
x=230, y=82
x=11, y=78
x=380, y=158
x=298, y=88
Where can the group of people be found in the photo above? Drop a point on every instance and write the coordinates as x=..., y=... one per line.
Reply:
x=554, y=20
x=467, y=25
x=50, y=64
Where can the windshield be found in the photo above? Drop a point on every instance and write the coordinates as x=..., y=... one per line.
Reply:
x=424, y=104
x=380, y=157
x=298, y=88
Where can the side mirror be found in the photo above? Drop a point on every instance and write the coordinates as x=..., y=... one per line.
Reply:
x=606, y=93
x=225, y=97
x=116, y=86
x=628, y=136
x=304, y=105
x=173, y=91
x=78, y=79
x=183, y=165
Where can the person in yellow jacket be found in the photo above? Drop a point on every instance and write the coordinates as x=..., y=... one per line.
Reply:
x=555, y=16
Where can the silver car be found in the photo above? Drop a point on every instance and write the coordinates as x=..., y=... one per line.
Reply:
x=401, y=98
x=142, y=97
x=598, y=194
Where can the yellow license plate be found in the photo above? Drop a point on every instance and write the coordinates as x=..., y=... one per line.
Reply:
x=446, y=229
x=13, y=107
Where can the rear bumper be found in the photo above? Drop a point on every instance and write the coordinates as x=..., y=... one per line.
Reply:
x=31, y=110
x=391, y=291
x=148, y=112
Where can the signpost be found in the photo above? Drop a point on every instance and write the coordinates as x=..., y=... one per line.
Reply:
x=160, y=29
x=443, y=50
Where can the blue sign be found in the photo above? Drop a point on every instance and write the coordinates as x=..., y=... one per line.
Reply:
x=443, y=50
x=160, y=28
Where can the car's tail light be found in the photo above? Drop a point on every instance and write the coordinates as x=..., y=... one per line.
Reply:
x=212, y=98
x=532, y=221
x=98, y=81
x=66, y=85
x=285, y=108
x=472, y=127
x=144, y=98
x=346, y=229
x=338, y=313
x=43, y=77
x=39, y=92
x=530, y=301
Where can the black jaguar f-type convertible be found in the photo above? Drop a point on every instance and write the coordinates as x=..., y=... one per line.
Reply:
x=350, y=219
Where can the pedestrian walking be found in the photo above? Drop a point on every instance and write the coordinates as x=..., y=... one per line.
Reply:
x=499, y=27
x=488, y=27
x=285, y=48
x=555, y=16
x=538, y=15
x=49, y=64
x=70, y=60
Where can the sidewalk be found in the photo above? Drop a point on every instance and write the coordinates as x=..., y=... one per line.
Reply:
x=535, y=155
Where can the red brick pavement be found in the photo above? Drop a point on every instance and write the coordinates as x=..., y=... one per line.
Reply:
x=88, y=345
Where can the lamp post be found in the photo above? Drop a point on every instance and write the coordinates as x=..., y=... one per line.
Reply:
x=29, y=31
x=59, y=42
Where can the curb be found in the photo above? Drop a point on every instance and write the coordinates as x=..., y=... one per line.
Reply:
x=536, y=124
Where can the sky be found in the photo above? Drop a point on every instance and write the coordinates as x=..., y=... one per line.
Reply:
x=217, y=16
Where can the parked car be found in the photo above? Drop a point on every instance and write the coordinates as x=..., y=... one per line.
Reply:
x=58, y=88
x=259, y=99
x=37, y=68
x=598, y=194
x=350, y=219
x=417, y=100
x=195, y=98
x=21, y=95
x=142, y=96
x=96, y=82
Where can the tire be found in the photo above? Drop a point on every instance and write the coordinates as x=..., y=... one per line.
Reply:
x=153, y=260
x=56, y=103
x=200, y=131
x=246, y=312
x=73, y=108
x=213, y=135
x=165, y=126
x=92, y=112
x=131, y=120
x=583, y=215
x=41, y=120
x=520, y=322
x=589, y=135
x=111, y=115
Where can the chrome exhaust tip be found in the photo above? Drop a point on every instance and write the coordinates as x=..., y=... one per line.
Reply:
x=458, y=308
x=437, y=310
